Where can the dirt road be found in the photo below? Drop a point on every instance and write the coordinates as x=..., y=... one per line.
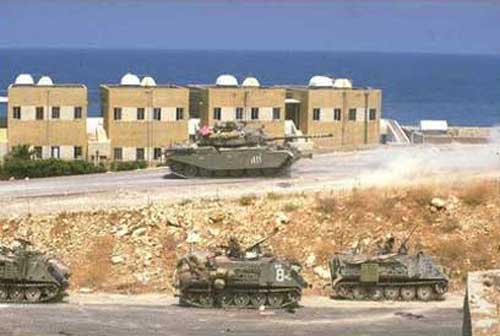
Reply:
x=159, y=315
x=387, y=165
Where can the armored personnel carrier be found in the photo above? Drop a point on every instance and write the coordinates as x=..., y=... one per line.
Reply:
x=28, y=276
x=240, y=278
x=233, y=149
x=387, y=276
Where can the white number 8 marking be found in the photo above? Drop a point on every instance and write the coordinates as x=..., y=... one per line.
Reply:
x=280, y=275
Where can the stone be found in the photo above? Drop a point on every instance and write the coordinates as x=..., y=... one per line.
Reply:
x=139, y=232
x=117, y=259
x=311, y=260
x=322, y=272
x=281, y=218
x=122, y=231
x=438, y=203
x=213, y=231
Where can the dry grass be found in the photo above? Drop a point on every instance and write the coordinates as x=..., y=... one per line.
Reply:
x=247, y=200
x=479, y=194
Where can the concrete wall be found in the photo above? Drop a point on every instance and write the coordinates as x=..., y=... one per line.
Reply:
x=148, y=133
x=228, y=99
x=64, y=132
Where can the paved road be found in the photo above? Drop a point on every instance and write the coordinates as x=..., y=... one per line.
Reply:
x=104, y=318
x=336, y=171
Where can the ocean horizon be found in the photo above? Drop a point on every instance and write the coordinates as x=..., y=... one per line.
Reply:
x=463, y=89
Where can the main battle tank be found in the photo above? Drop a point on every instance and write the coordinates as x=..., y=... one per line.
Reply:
x=239, y=278
x=28, y=276
x=232, y=149
x=387, y=276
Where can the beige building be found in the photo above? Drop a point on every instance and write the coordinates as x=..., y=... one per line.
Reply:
x=49, y=117
x=351, y=114
x=249, y=102
x=142, y=118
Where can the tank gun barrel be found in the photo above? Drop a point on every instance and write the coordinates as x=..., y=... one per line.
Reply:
x=292, y=137
x=257, y=243
x=405, y=241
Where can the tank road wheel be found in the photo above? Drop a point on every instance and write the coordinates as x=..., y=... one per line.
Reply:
x=16, y=294
x=343, y=291
x=205, y=300
x=376, y=293
x=177, y=168
x=408, y=293
x=275, y=300
x=391, y=293
x=51, y=292
x=190, y=171
x=33, y=294
x=440, y=289
x=205, y=172
x=241, y=300
x=424, y=293
x=359, y=293
x=3, y=294
x=258, y=299
x=226, y=300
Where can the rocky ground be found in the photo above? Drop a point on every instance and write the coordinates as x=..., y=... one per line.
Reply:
x=135, y=250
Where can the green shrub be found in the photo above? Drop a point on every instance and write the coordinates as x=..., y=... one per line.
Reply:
x=128, y=165
x=21, y=168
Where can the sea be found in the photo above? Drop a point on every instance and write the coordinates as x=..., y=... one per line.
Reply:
x=463, y=89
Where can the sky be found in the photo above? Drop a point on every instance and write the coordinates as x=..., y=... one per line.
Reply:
x=465, y=27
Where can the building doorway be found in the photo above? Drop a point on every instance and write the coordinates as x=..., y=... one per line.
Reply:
x=292, y=112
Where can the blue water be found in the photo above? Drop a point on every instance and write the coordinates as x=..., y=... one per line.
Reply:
x=465, y=90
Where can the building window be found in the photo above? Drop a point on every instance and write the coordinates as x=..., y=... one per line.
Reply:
x=56, y=112
x=337, y=114
x=140, y=113
x=373, y=114
x=78, y=112
x=16, y=112
x=37, y=152
x=276, y=113
x=118, y=154
x=179, y=113
x=117, y=113
x=55, y=152
x=157, y=153
x=239, y=113
x=316, y=114
x=139, y=154
x=352, y=114
x=255, y=113
x=77, y=152
x=39, y=113
x=157, y=113
x=217, y=113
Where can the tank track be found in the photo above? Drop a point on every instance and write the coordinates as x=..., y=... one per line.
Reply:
x=393, y=291
x=241, y=298
x=30, y=292
x=188, y=171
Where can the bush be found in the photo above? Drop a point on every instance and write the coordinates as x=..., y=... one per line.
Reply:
x=21, y=168
x=128, y=165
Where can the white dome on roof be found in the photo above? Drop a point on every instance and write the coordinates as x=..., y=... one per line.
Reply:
x=342, y=83
x=250, y=82
x=226, y=80
x=320, y=81
x=148, y=81
x=24, y=79
x=45, y=80
x=130, y=79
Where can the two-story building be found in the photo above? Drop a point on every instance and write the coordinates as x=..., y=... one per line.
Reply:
x=326, y=105
x=141, y=118
x=49, y=117
x=249, y=102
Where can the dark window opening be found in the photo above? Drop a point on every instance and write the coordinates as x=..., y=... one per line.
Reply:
x=16, y=112
x=316, y=114
x=78, y=153
x=118, y=154
x=117, y=113
x=56, y=112
x=337, y=114
x=157, y=153
x=217, y=113
x=157, y=113
x=39, y=113
x=179, y=113
x=78, y=112
x=276, y=113
x=140, y=113
x=239, y=113
x=373, y=114
x=139, y=154
x=255, y=113
x=352, y=114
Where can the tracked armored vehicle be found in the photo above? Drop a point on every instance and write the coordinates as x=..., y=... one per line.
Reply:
x=232, y=149
x=387, y=276
x=238, y=279
x=28, y=276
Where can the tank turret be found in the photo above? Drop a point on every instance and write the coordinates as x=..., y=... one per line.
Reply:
x=240, y=278
x=27, y=275
x=234, y=149
x=387, y=275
